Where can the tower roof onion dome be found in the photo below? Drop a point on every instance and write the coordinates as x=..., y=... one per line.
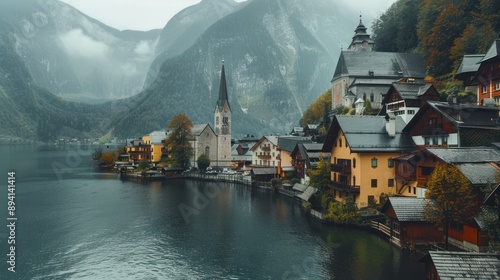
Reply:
x=361, y=39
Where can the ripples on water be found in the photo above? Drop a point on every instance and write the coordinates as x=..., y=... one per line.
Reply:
x=91, y=225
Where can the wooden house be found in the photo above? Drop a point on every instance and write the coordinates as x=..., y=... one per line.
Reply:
x=477, y=164
x=408, y=226
x=406, y=96
x=454, y=125
x=483, y=71
x=286, y=145
x=461, y=265
x=363, y=149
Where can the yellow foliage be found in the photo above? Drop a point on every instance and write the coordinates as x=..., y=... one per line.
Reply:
x=314, y=113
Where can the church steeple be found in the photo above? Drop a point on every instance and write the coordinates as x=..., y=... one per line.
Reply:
x=361, y=40
x=222, y=90
x=222, y=121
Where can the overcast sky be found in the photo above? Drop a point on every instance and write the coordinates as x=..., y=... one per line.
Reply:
x=152, y=14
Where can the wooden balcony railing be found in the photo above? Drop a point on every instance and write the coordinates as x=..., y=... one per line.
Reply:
x=341, y=168
x=344, y=187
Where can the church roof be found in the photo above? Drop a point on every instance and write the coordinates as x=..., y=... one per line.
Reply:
x=222, y=90
x=198, y=129
x=376, y=65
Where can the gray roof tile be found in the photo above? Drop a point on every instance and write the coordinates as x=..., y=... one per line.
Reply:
x=465, y=265
x=409, y=209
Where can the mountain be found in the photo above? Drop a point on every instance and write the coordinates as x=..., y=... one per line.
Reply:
x=75, y=56
x=184, y=28
x=279, y=56
x=31, y=113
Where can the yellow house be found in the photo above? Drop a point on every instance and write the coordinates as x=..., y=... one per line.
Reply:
x=154, y=140
x=363, y=149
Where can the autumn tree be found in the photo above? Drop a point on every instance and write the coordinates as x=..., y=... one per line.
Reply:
x=451, y=199
x=107, y=158
x=315, y=112
x=320, y=177
x=177, y=142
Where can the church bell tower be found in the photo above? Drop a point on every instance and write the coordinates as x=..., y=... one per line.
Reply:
x=222, y=116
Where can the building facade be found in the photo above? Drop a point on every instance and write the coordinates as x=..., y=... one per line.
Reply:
x=222, y=124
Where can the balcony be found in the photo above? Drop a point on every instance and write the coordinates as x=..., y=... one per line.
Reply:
x=264, y=156
x=406, y=175
x=266, y=148
x=341, y=168
x=343, y=187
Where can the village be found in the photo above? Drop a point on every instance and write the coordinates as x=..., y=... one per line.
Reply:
x=379, y=162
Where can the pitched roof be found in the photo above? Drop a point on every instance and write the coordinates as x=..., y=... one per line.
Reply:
x=459, y=114
x=469, y=65
x=493, y=51
x=299, y=187
x=465, y=265
x=307, y=193
x=368, y=134
x=272, y=139
x=313, y=146
x=381, y=64
x=264, y=170
x=198, y=129
x=478, y=173
x=466, y=155
x=222, y=89
x=288, y=143
x=407, y=209
x=158, y=136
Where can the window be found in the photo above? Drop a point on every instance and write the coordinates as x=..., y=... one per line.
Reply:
x=374, y=183
x=340, y=142
x=353, y=163
x=354, y=180
x=426, y=171
x=444, y=140
x=485, y=89
x=207, y=151
x=497, y=85
x=390, y=182
x=364, y=97
x=372, y=97
x=395, y=229
x=411, y=112
x=390, y=162
x=427, y=141
x=374, y=162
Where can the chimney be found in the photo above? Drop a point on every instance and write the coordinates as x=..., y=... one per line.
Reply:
x=390, y=125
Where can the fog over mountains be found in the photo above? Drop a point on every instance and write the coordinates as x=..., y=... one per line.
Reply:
x=279, y=56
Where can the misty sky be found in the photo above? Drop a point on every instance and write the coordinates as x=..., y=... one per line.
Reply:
x=153, y=14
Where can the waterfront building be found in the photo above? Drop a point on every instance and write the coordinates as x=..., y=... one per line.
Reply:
x=222, y=123
x=265, y=152
x=363, y=149
x=204, y=141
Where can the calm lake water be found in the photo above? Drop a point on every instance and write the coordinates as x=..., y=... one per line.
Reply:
x=73, y=222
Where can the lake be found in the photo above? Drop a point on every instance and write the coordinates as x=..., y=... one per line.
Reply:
x=73, y=222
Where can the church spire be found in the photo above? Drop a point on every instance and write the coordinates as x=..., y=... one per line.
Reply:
x=361, y=40
x=222, y=89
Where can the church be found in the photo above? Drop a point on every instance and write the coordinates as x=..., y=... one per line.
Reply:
x=365, y=74
x=216, y=142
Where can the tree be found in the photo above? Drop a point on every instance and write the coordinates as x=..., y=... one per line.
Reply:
x=108, y=159
x=320, y=176
x=315, y=112
x=177, y=142
x=451, y=199
x=203, y=162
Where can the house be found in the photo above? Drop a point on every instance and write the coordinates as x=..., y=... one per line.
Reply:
x=454, y=125
x=138, y=150
x=367, y=74
x=485, y=74
x=156, y=140
x=286, y=145
x=477, y=164
x=261, y=176
x=461, y=265
x=406, y=96
x=363, y=149
x=265, y=152
x=408, y=226
x=306, y=156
